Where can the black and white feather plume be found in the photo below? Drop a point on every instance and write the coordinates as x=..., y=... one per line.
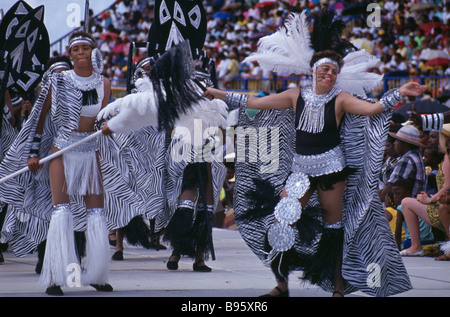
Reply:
x=354, y=77
x=289, y=51
x=163, y=101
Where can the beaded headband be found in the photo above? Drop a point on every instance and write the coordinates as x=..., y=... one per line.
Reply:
x=81, y=39
x=325, y=60
x=317, y=64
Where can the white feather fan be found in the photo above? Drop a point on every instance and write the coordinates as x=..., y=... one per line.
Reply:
x=288, y=50
x=354, y=78
x=200, y=122
x=133, y=111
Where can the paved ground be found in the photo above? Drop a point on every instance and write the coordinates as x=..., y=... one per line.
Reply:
x=237, y=273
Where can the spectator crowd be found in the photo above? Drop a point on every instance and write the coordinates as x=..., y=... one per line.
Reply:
x=410, y=37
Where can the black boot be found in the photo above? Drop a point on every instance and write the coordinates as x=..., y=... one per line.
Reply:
x=202, y=228
x=54, y=290
x=41, y=253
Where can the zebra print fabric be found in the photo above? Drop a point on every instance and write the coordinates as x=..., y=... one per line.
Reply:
x=143, y=164
x=371, y=261
x=25, y=223
x=174, y=178
x=8, y=135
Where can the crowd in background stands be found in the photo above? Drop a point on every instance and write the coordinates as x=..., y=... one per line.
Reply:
x=404, y=41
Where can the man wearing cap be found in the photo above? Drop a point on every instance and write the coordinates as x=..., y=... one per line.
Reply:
x=410, y=165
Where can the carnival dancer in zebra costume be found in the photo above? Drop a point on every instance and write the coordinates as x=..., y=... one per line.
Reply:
x=140, y=231
x=196, y=181
x=75, y=98
x=330, y=150
x=192, y=141
x=190, y=158
x=64, y=112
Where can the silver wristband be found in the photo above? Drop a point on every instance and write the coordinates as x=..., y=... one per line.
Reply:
x=35, y=144
x=236, y=100
x=390, y=99
x=432, y=122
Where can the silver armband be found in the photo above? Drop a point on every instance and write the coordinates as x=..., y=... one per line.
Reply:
x=236, y=100
x=432, y=122
x=390, y=99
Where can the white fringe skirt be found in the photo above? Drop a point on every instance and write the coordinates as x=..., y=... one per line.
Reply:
x=81, y=167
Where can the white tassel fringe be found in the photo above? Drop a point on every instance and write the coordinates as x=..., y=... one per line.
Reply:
x=445, y=248
x=82, y=173
x=60, y=248
x=96, y=266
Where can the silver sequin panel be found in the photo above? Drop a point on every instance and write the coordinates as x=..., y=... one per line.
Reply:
x=320, y=164
x=74, y=137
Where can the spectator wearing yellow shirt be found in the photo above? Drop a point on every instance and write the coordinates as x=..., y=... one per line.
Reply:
x=402, y=50
x=232, y=70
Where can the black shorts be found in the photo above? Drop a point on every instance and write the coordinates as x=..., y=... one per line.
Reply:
x=326, y=182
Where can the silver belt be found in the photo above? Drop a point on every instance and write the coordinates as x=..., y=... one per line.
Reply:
x=328, y=162
x=63, y=142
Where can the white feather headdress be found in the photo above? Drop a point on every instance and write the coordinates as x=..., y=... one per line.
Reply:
x=289, y=51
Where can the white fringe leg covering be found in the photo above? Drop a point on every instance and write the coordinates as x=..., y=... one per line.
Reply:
x=96, y=267
x=60, y=253
x=445, y=248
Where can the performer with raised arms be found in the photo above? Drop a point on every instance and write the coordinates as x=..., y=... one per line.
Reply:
x=328, y=221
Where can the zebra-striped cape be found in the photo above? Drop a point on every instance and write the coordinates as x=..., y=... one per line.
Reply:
x=164, y=186
x=371, y=260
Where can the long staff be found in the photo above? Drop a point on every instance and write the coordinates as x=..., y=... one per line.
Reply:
x=52, y=156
